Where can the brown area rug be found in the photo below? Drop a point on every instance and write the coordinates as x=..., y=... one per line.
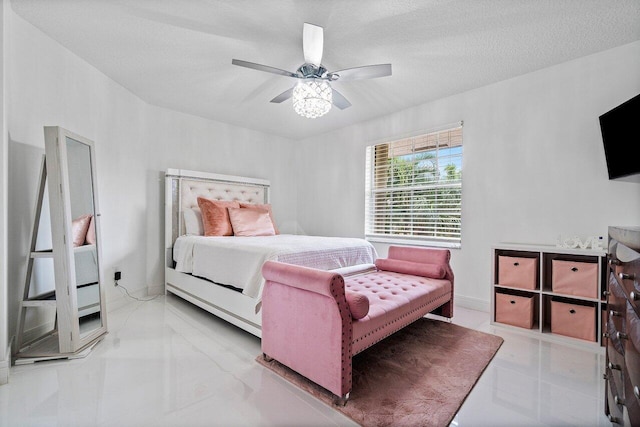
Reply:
x=420, y=376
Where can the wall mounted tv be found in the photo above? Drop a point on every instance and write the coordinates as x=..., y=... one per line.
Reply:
x=621, y=136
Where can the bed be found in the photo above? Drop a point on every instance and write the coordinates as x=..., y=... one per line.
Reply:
x=223, y=275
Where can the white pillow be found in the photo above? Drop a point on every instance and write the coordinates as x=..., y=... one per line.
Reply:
x=193, y=222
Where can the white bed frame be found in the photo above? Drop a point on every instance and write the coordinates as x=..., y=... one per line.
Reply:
x=182, y=187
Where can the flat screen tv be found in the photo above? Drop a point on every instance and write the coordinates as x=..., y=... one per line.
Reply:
x=620, y=129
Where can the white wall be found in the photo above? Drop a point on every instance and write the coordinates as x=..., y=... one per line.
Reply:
x=4, y=335
x=187, y=142
x=534, y=165
x=135, y=143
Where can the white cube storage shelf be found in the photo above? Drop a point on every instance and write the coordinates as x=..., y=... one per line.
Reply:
x=556, y=293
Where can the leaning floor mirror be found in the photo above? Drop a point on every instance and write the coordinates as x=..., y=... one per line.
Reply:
x=75, y=234
x=69, y=174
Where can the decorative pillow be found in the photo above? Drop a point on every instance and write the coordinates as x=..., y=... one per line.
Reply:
x=79, y=227
x=358, y=304
x=251, y=222
x=433, y=271
x=193, y=222
x=215, y=217
x=265, y=206
x=90, y=238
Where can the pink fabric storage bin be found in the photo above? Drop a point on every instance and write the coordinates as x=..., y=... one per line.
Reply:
x=573, y=320
x=514, y=310
x=575, y=278
x=517, y=272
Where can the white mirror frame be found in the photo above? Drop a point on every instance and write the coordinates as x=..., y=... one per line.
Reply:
x=70, y=339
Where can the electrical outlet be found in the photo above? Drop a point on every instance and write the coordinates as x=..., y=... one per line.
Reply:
x=117, y=275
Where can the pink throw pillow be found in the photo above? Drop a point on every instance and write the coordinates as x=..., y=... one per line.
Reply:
x=266, y=207
x=251, y=222
x=90, y=239
x=358, y=304
x=433, y=271
x=215, y=217
x=79, y=227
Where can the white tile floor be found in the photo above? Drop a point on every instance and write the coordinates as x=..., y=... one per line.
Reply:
x=167, y=363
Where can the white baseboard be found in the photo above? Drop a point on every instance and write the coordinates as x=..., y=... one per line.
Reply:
x=4, y=367
x=123, y=299
x=472, y=303
x=154, y=290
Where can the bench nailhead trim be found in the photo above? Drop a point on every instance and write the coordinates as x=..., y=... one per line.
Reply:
x=445, y=295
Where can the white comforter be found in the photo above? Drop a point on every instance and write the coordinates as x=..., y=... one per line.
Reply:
x=237, y=261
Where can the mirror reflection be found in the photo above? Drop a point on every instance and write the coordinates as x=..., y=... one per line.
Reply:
x=84, y=235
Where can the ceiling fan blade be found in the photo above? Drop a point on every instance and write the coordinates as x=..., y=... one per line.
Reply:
x=312, y=43
x=359, y=73
x=261, y=67
x=283, y=96
x=339, y=100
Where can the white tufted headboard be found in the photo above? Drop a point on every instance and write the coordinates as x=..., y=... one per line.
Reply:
x=183, y=187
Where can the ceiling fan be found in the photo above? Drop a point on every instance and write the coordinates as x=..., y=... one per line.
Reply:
x=312, y=94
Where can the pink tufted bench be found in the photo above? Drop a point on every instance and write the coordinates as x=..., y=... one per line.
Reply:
x=315, y=321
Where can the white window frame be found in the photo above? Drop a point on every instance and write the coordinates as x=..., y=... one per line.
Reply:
x=452, y=237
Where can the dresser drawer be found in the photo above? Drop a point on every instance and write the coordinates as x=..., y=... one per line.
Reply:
x=632, y=351
x=615, y=349
x=629, y=276
x=631, y=403
x=614, y=399
x=573, y=320
x=518, y=272
x=604, y=315
x=575, y=278
x=515, y=310
x=617, y=304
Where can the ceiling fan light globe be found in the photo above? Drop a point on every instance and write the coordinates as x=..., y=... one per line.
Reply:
x=312, y=98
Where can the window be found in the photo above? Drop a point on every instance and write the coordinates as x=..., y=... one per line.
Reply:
x=414, y=189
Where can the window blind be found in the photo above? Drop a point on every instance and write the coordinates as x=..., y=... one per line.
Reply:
x=414, y=188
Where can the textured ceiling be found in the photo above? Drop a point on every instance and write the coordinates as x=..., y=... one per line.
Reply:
x=177, y=53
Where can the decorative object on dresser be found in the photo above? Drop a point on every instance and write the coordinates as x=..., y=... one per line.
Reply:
x=71, y=312
x=622, y=333
x=554, y=292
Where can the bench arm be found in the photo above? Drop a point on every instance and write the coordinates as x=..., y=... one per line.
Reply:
x=308, y=279
x=306, y=323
